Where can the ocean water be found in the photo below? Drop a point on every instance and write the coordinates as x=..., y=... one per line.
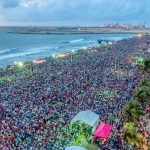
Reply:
x=24, y=47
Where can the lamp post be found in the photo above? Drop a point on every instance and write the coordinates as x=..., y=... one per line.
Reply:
x=115, y=63
x=19, y=65
x=72, y=52
x=54, y=56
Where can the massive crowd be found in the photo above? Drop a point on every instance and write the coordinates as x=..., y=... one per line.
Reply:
x=36, y=110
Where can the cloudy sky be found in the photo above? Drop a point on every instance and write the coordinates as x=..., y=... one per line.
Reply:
x=73, y=12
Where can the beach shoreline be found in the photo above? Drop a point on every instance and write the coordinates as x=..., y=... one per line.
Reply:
x=29, y=47
x=55, y=55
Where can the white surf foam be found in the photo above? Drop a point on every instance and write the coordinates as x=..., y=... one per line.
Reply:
x=5, y=51
x=77, y=40
x=19, y=55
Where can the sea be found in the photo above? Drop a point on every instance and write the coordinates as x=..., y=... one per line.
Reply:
x=25, y=47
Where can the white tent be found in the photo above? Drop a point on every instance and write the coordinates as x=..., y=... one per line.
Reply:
x=88, y=117
x=75, y=148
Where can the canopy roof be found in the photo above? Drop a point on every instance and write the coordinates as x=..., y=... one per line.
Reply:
x=139, y=60
x=103, y=131
x=75, y=148
x=88, y=117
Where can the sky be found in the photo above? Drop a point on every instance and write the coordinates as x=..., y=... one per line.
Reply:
x=73, y=12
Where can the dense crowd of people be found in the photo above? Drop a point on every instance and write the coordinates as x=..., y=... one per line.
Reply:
x=36, y=110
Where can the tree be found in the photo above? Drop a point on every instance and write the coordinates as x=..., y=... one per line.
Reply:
x=81, y=133
x=146, y=67
x=130, y=135
x=133, y=111
x=143, y=93
x=147, y=64
x=146, y=82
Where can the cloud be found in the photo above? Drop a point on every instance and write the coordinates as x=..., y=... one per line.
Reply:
x=33, y=3
x=66, y=12
x=9, y=3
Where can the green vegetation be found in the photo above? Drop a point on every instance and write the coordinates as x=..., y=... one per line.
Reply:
x=80, y=141
x=130, y=135
x=133, y=111
x=143, y=93
x=81, y=133
x=147, y=64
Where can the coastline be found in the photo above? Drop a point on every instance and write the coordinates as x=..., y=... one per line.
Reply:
x=101, y=32
x=73, y=30
x=52, y=56
x=29, y=47
x=27, y=67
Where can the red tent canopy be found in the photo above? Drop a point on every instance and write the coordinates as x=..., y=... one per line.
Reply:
x=103, y=131
x=148, y=110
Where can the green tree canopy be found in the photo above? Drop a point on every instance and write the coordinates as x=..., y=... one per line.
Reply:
x=129, y=133
x=143, y=93
x=147, y=64
x=133, y=111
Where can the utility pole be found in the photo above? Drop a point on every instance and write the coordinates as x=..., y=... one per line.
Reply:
x=71, y=57
x=115, y=63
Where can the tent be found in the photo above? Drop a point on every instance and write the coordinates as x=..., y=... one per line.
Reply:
x=103, y=131
x=88, y=117
x=75, y=148
x=139, y=60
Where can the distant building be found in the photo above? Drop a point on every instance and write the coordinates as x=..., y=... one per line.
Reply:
x=125, y=26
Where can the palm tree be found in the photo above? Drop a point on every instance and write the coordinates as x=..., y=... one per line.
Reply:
x=145, y=67
x=146, y=82
x=147, y=64
x=143, y=93
x=130, y=135
x=133, y=111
